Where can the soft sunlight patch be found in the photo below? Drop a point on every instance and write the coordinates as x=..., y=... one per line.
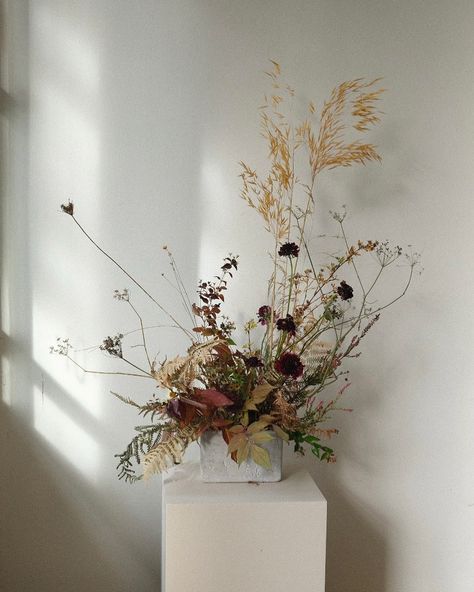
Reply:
x=65, y=435
x=213, y=192
x=72, y=51
x=73, y=381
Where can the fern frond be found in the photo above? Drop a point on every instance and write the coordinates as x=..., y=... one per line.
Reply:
x=284, y=412
x=153, y=406
x=140, y=445
x=182, y=370
x=126, y=400
x=169, y=452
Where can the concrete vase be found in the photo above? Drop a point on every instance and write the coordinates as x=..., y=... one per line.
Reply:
x=218, y=467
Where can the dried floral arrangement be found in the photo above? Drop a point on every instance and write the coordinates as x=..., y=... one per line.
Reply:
x=272, y=385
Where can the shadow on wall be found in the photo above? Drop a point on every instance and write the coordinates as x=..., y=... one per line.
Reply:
x=356, y=547
x=61, y=529
x=56, y=532
x=356, y=553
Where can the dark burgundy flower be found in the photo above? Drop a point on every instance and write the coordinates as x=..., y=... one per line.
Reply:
x=253, y=362
x=289, y=250
x=287, y=324
x=264, y=314
x=289, y=364
x=345, y=291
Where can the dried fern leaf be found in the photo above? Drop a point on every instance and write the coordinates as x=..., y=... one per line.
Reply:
x=168, y=452
x=126, y=400
x=182, y=370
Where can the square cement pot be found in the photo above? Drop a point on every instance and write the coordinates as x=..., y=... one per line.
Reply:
x=218, y=467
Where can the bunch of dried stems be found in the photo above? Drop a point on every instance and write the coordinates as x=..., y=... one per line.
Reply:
x=272, y=385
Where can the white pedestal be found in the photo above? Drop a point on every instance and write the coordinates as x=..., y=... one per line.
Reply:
x=242, y=537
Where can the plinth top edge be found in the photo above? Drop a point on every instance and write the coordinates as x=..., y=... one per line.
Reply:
x=183, y=485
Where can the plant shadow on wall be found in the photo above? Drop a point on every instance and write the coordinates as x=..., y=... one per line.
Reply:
x=287, y=378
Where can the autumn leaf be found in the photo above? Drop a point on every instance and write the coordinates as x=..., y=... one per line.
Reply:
x=220, y=422
x=261, y=457
x=257, y=426
x=243, y=452
x=281, y=433
x=257, y=396
x=236, y=442
x=213, y=398
x=244, y=441
x=261, y=392
x=262, y=437
x=267, y=418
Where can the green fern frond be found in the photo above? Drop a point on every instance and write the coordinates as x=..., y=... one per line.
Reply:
x=148, y=436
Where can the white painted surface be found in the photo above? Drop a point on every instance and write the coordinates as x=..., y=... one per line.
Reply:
x=223, y=536
x=139, y=111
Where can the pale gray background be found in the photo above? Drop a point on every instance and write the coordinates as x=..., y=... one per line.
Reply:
x=139, y=111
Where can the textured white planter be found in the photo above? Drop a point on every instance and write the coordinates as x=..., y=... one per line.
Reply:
x=218, y=467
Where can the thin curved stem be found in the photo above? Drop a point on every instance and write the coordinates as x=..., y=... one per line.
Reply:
x=87, y=235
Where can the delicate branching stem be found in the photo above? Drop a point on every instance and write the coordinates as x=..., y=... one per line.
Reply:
x=147, y=328
x=354, y=267
x=86, y=370
x=87, y=235
x=142, y=328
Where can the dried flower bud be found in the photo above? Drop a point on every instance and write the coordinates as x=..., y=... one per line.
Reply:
x=113, y=345
x=345, y=291
x=68, y=208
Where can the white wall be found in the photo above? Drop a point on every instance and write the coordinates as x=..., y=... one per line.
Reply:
x=139, y=112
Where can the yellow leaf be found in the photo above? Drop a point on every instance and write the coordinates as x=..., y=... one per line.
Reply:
x=250, y=405
x=261, y=457
x=262, y=437
x=257, y=396
x=257, y=426
x=243, y=452
x=261, y=392
x=281, y=433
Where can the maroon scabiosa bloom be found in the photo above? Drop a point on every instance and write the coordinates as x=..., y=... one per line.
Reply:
x=289, y=364
x=345, y=291
x=287, y=324
x=264, y=314
x=289, y=250
x=253, y=362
